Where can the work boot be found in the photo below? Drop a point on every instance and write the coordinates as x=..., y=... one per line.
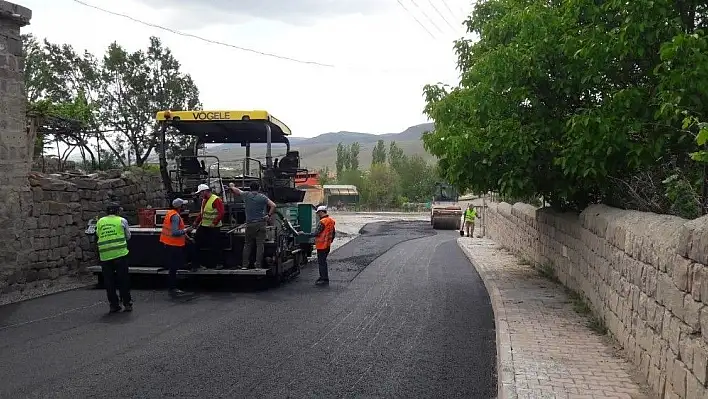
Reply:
x=128, y=307
x=322, y=281
x=114, y=309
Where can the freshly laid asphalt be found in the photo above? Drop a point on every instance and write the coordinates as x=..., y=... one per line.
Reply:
x=405, y=316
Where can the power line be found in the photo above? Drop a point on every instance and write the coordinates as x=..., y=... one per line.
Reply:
x=416, y=18
x=205, y=39
x=427, y=16
x=452, y=14
x=441, y=16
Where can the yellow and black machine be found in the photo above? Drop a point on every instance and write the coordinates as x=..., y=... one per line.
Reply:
x=285, y=249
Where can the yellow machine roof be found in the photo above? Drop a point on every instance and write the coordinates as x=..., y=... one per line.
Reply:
x=223, y=118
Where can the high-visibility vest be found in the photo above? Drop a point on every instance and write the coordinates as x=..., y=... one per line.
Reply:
x=111, y=238
x=324, y=239
x=209, y=213
x=470, y=214
x=166, y=236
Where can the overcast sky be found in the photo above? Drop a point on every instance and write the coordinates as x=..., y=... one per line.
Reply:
x=382, y=56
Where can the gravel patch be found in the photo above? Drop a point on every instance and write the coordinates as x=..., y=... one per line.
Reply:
x=47, y=287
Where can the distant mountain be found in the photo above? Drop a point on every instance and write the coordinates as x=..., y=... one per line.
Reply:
x=320, y=151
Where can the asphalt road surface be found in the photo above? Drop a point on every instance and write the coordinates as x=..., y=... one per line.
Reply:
x=405, y=316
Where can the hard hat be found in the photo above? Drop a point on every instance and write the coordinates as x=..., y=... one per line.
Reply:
x=202, y=187
x=112, y=206
x=321, y=208
x=177, y=202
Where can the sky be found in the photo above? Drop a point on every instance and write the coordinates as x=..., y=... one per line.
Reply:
x=381, y=56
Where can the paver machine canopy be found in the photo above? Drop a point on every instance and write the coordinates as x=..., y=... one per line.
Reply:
x=276, y=177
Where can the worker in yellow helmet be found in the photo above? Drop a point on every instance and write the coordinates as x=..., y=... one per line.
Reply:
x=113, y=233
x=209, y=227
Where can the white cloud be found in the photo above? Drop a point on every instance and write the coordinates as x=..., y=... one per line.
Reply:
x=382, y=56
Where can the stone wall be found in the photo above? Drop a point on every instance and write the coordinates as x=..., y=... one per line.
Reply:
x=16, y=140
x=61, y=206
x=644, y=275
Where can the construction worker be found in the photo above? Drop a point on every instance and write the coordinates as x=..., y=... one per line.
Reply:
x=174, y=239
x=255, y=204
x=324, y=235
x=209, y=222
x=470, y=216
x=113, y=233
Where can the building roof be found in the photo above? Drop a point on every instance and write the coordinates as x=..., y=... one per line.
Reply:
x=340, y=189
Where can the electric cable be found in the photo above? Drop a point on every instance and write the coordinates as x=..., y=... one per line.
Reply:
x=427, y=16
x=176, y=32
x=441, y=16
x=416, y=18
x=250, y=50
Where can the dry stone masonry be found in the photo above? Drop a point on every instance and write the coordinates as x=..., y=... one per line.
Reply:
x=15, y=142
x=61, y=207
x=645, y=275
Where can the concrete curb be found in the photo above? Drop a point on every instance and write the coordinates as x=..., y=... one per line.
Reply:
x=506, y=380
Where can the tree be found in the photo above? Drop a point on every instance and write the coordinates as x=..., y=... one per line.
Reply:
x=417, y=179
x=59, y=85
x=323, y=176
x=378, y=154
x=396, y=157
x=382, y=188
x=341, y=159
x=354, y=150
x=137, y=86
x=85, y=100
x=578, y=119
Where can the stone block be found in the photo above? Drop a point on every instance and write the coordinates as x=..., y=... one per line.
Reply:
x=694, y=240
x=678, y=378
x=700, y=361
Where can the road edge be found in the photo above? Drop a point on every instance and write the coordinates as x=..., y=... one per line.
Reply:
x=506, y=380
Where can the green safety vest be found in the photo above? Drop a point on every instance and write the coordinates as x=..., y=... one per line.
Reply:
x=470, y=214
x=111, y=238
x=209, y=213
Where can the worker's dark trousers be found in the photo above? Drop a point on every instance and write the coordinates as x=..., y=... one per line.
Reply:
x=255, y=234
x=208, y=246
x=174, y=257
x=115, y=275
x=322, y=261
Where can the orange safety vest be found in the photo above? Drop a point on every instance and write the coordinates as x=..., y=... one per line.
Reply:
x=324, y=239
x=166, y=236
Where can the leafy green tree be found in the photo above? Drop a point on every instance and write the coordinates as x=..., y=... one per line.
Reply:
x=137, y=85
x=341, y=159
x=324, y=176
x=417, y=178
x=378, y=154
x=354, y=150
x=579, y=118
x=396, y=158
x=382, y=187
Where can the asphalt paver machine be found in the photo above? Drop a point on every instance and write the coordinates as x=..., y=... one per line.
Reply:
x=285, y=249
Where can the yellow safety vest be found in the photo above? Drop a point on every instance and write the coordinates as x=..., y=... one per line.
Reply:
x=111, y=238
x=209, y=213
x=470, y=214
